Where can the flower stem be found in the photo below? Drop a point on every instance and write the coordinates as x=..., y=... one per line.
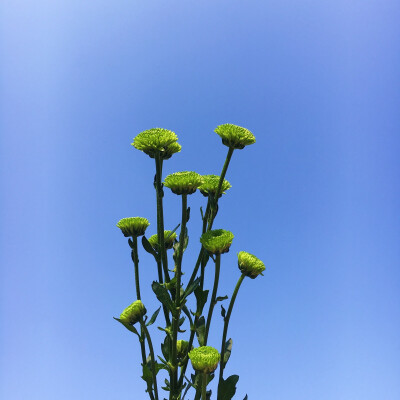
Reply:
x=226, y=323
x=204, y=387
x=160, y=217
x=153, y=361
x=213, y=296
x=135, y=258
x=175, y=318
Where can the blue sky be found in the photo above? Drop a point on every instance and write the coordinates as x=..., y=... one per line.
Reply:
x=316, y=198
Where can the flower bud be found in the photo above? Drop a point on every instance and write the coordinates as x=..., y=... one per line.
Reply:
x=204, y=359
x=182, y=348
x=134, y=226
x=217, y=241
x=169, y=239
x=250, y=265
x=235, y=136
x=133, y=313
x=183, y=182
x=157, y=140
x=210, y=185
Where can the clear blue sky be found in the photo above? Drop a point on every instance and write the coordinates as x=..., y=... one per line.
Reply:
x=316, y=198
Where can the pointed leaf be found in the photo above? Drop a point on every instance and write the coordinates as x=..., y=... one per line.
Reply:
x=201, y=330
x=163, y=295
x=188, y=214
x=223, y=312
x=190, y=289
x=220, y=298
x=245, y=397
x=227, y=387
x=129, y=327
x=201, y=297
x=147, y=246
x=228, y=350
x=153, y=317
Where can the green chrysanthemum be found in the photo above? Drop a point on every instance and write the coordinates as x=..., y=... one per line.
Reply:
x=210, y=185
x=169, y=239
x=235, y=136
x=250, y=265
x=133, y=226
x=204, y=359
x=157, y=140
x=217, y=241
x=133, y=313
x=183, y=182
x=182, y=348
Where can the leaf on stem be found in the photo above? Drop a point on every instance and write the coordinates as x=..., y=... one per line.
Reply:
x=153, y=317
x=191, y=288
x=220, y=298
x=201, y=330
x=188, y=214
x=147, y=246
x=163, y=296
x=166, y=347
x=129, y=327
x=201, y=297
x=228, y=350
x=223, y=311
x=227, y=387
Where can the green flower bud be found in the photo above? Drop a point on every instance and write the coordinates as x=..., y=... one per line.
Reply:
x=182, y=348
x=235, y=136
x=210, y=185
x=183, y=182
x=250, y=265
x=169, y=240
x=157, y=140
x=204, y=359
x=217, y=241
x=133, y=313
x=134, y=226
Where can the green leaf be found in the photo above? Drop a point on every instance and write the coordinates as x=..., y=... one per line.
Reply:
x=188, y=214
x=163, y=296
x=223, y=312
x=153, y=317
x=173, y=231
x=186, y=311
x=227, y=387
x=147, y=246
x=228, y=350
x=201, y=212
x=190, y=289
x=129, y=327
x=201, y=297
x=220, y=298
x=245, y=397
x=201, y=330
x=166, y=347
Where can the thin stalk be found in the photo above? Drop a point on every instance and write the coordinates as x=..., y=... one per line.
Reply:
x=175, y=318
x=160, y=217
x=226, y=323
x=213, y=296
x=221, y=180
x=204, y=387
x=153, y=362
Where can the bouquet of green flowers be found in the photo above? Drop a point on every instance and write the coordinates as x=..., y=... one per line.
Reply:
x=170, y=290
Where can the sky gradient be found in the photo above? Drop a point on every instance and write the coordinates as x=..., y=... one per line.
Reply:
x=316, y=198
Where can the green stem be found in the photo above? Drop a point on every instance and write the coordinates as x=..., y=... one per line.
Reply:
x=175, y=318
x=135, y=258
x=160, y=217
x=226, y=323
x=213, y=296
x=153, y=362
x=221, y=180
x=204, y=387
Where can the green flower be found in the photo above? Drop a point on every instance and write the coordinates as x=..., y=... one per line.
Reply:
x=235, y=136
x=217, y=241
x=183, y=182
x=169, y=239
x=182, y=348
x=133, y=313
x=210, y=185
x=157, y=140
x=204, y=359
x=250, y=265
x=134, y=226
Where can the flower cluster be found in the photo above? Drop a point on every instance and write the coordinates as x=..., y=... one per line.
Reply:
x=133, y=313
x=183, y=182
x=204, y=359
x=235, y=136
x=210, y=185
x=156, y=140
x=250, y=265
x=133, y=226
x=169, y=238
x=217, y=241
